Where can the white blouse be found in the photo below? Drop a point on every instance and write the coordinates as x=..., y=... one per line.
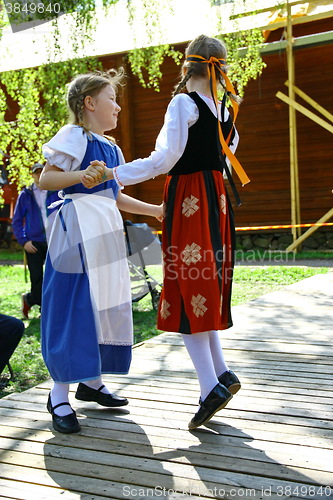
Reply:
x=181, y=114
x=67, y=148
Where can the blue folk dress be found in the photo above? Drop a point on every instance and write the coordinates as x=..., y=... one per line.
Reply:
x=86, y=307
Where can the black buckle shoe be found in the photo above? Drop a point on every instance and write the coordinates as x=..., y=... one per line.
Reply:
x=67, y=424
x=85, y=393
x=230, y=381
x=217, y=399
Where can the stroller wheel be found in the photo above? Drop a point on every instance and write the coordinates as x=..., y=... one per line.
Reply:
x=155, y=298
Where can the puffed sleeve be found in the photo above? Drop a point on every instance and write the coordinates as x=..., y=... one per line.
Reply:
x=170, y=144
x=67, y=148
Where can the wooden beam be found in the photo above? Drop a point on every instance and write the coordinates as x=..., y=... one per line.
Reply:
x=312, y=102
x=299, y=42
x=273, y=8
x=311, y=230
x=305, y=111
x=294, y=184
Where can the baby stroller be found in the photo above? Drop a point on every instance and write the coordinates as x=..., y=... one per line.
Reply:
x=143, y=249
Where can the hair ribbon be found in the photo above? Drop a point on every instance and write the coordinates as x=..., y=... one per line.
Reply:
x=214, y=65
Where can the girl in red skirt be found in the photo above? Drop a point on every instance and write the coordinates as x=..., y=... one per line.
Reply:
x=195, y=147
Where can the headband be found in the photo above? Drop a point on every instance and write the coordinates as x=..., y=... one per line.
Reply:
x=218, y=65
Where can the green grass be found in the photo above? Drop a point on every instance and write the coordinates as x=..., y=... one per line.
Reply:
x=280, y=256
x=277, y=256
x=11, y=254
x=249, y=282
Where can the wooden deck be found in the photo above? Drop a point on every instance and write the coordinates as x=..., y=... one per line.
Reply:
x=273, y=440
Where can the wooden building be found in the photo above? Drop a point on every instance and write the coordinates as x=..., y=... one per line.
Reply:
x=263, y=126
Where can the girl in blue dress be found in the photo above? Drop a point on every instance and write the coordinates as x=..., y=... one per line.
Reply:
x=86, y=309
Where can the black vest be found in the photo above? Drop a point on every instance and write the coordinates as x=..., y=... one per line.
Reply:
x=203, y=149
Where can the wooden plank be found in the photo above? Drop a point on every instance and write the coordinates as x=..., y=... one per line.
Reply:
x=179, y=475
x=23, y=427
x=311, y=230
x=309, y=114
x=15, y=490
x=317, y=437
x=167, y=387
x=179, y=463
x=312, y=102
x=236, y=454
x=270, y=405
x=175, y=420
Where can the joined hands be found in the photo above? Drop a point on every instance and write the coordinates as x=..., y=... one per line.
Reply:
x=96, y=173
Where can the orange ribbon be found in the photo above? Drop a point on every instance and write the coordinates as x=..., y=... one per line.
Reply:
x=213, y=65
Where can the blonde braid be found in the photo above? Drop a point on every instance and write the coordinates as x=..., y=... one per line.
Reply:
x=79, y=110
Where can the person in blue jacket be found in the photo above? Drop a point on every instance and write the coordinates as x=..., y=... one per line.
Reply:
x=29, y=222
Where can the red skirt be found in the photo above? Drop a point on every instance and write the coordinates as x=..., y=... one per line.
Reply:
x=198, y=254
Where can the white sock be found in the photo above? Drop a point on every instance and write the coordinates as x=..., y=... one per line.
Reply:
x=217, y=353
x=96, y=384
x=59, y=394
x=198, y=347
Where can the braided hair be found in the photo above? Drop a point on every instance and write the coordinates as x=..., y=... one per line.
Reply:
x=206, y=47
x=89, y=84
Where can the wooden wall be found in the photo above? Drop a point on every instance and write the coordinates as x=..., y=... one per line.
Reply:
x=264, y=134
x=264, y=147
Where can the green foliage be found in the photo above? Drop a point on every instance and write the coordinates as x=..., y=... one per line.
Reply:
x=247, y=64
x=147, y=62
x=38, y=93
x=2, y=20
x=146, y=18
x=41, y=111
x=247, y=67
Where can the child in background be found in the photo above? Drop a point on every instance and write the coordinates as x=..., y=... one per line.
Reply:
x=87, y=310
x=195, y=147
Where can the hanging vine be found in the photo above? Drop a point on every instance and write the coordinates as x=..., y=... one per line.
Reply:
x=246, y=67
x=41, y=111
x=147, y=18
x=40, y=101
x=248, y=64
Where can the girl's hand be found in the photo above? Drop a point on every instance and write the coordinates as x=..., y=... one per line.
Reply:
x=94, y=174
x=160, y=212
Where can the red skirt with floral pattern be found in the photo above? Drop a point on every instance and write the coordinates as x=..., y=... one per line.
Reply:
x=198, y=254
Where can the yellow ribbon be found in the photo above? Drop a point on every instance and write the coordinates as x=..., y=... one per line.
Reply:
x=213, y=65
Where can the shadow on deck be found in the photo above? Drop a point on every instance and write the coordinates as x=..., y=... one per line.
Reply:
x=273, y=441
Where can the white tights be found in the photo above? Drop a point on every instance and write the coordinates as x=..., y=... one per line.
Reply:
x=206, y=353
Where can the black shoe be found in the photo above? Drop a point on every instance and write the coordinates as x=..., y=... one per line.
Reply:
x=230, y=381
x=85, y=393
x=217, y=399
x=68, y=423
